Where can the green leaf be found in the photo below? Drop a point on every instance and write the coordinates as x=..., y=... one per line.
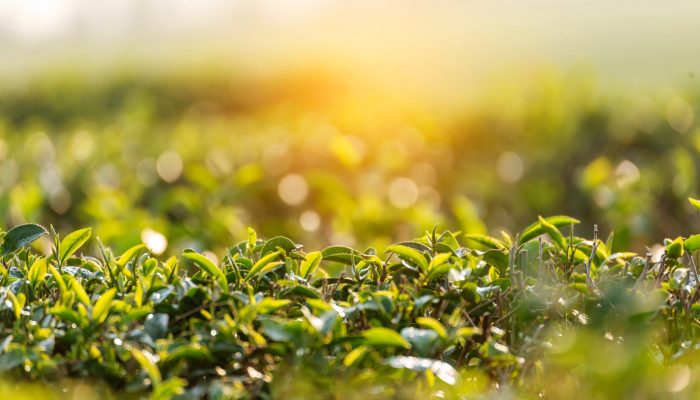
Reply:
x=423, y=341
x=190, y=352
x=103, y=305
x=695, y=203
x=72, y=242
x=497, y=258
x=262, y=263
x=156, y=325
x=411, y=255
x=341, y=254
x=148, y=363
x=21, y=236
x=280, y=241
x=310, y=263
x=692, y=243
x=538, y=229
x=204, y=263
x=553, y=233
x=486, y=241
x=384, y=337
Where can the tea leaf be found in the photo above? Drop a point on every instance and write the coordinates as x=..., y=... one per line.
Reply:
x=384, y=337
x=148, y=363
x=21, y=236
x=411, y=255
x=72, y=242
x=37, y=272
x=215, y=272
x=103, y=305
x=310, y=263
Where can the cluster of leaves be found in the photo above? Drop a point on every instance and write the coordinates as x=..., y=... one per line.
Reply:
x=432, y=316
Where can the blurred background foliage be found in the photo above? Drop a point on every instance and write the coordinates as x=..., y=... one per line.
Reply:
x=197, y=155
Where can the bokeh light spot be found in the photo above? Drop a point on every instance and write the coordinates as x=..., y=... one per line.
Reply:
x=626, y=174
x=293, y=189
x=169, y=166
x=403, y=193
x=310, y=221
x=510, y=167
x=154, y=240
x=680, y=115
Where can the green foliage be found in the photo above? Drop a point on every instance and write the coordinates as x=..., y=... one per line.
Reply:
x=133, y=152
x=432, y=316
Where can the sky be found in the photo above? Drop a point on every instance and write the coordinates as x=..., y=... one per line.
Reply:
x=437, y=47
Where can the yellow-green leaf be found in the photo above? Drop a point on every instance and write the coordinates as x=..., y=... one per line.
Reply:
x=310, y=263
x=148, y=363
x=102, y=305
x=58, y=278
x=553, y=233
x=262, y=262
x=438, y=260
x=433, y=324
x=537, y=229
x=37, y=272
x=204, y=263
x=695, y=203
x=130, y=254
x=692, y=243
x=252, y=238
x=675, y=248
x=354, y=355
x=412, y=255
x=78, y=289
x=17, y=303
x=468, y=331
x=487, y=241
x=384, y=337
x=72, y=242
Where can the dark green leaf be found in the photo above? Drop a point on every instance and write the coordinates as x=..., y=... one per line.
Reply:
x=21, y=236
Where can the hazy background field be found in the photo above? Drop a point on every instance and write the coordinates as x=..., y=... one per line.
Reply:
x=356, y=123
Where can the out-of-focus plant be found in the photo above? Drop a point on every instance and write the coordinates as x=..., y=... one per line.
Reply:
x=195, y=158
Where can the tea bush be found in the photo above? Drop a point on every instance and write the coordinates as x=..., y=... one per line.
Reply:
x=199, y=156
x=546, y=313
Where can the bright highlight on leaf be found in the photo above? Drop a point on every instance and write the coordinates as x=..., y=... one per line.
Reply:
x=695, y=203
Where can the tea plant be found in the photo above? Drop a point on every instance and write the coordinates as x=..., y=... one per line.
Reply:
x=447, y=315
